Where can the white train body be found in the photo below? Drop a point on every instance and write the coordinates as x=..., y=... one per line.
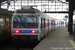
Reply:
x=32, y=24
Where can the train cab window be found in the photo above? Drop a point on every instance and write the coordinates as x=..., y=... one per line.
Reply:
x=18, y=22
x=2, y=23
x=25, y=22
x=32, y=22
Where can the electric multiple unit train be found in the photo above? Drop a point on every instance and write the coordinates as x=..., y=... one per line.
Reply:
x=29, y=24
x=5, y=25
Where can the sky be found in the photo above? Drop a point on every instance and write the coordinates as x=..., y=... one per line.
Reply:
x=59, y=16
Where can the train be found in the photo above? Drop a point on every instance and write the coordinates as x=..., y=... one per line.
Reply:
x=30, y=24
x=5, y=25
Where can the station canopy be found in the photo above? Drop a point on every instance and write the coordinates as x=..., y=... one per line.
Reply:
x=42, y=5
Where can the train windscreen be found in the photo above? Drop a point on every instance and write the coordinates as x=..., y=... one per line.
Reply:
x=25, y=22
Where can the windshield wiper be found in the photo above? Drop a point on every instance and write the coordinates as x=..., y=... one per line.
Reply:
x=33, y=19
x=20, y=18
x=16, y=19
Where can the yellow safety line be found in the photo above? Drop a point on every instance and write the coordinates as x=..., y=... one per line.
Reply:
x=72, y=43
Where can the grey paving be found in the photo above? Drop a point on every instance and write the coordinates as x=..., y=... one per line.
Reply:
x=56, y=40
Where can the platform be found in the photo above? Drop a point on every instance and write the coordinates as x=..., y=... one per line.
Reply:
x=57, y=40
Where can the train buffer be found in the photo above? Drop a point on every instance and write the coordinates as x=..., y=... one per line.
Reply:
x=57, y=40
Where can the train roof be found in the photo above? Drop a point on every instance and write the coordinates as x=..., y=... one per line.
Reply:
x=26, y=11
x=32, y=11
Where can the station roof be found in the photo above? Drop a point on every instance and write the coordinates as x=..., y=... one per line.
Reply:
x=2, y=1
x=5, y=12
x=50, y=6
x=5, y=0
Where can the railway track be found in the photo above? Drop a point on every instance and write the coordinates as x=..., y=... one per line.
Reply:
x=17, y=46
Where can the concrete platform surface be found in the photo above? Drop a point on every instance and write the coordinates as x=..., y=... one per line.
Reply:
x=57, y=40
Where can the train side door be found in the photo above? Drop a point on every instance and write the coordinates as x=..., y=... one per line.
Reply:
x=42, y=26
x=51, y=26
x=54, y=24
x=57, y=24
x=48, y=25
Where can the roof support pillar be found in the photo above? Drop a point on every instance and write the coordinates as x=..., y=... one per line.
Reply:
x=0, y=5
x=70, y=24
x=8, y=4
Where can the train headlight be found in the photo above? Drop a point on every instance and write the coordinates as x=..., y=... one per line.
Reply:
x=33, y=31
x=17, y=31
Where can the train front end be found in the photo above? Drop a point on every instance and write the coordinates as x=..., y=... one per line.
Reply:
x=25, y=28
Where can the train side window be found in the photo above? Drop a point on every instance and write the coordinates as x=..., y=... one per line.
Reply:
x=2, y=23
x=7, y=23
x=41, y=22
